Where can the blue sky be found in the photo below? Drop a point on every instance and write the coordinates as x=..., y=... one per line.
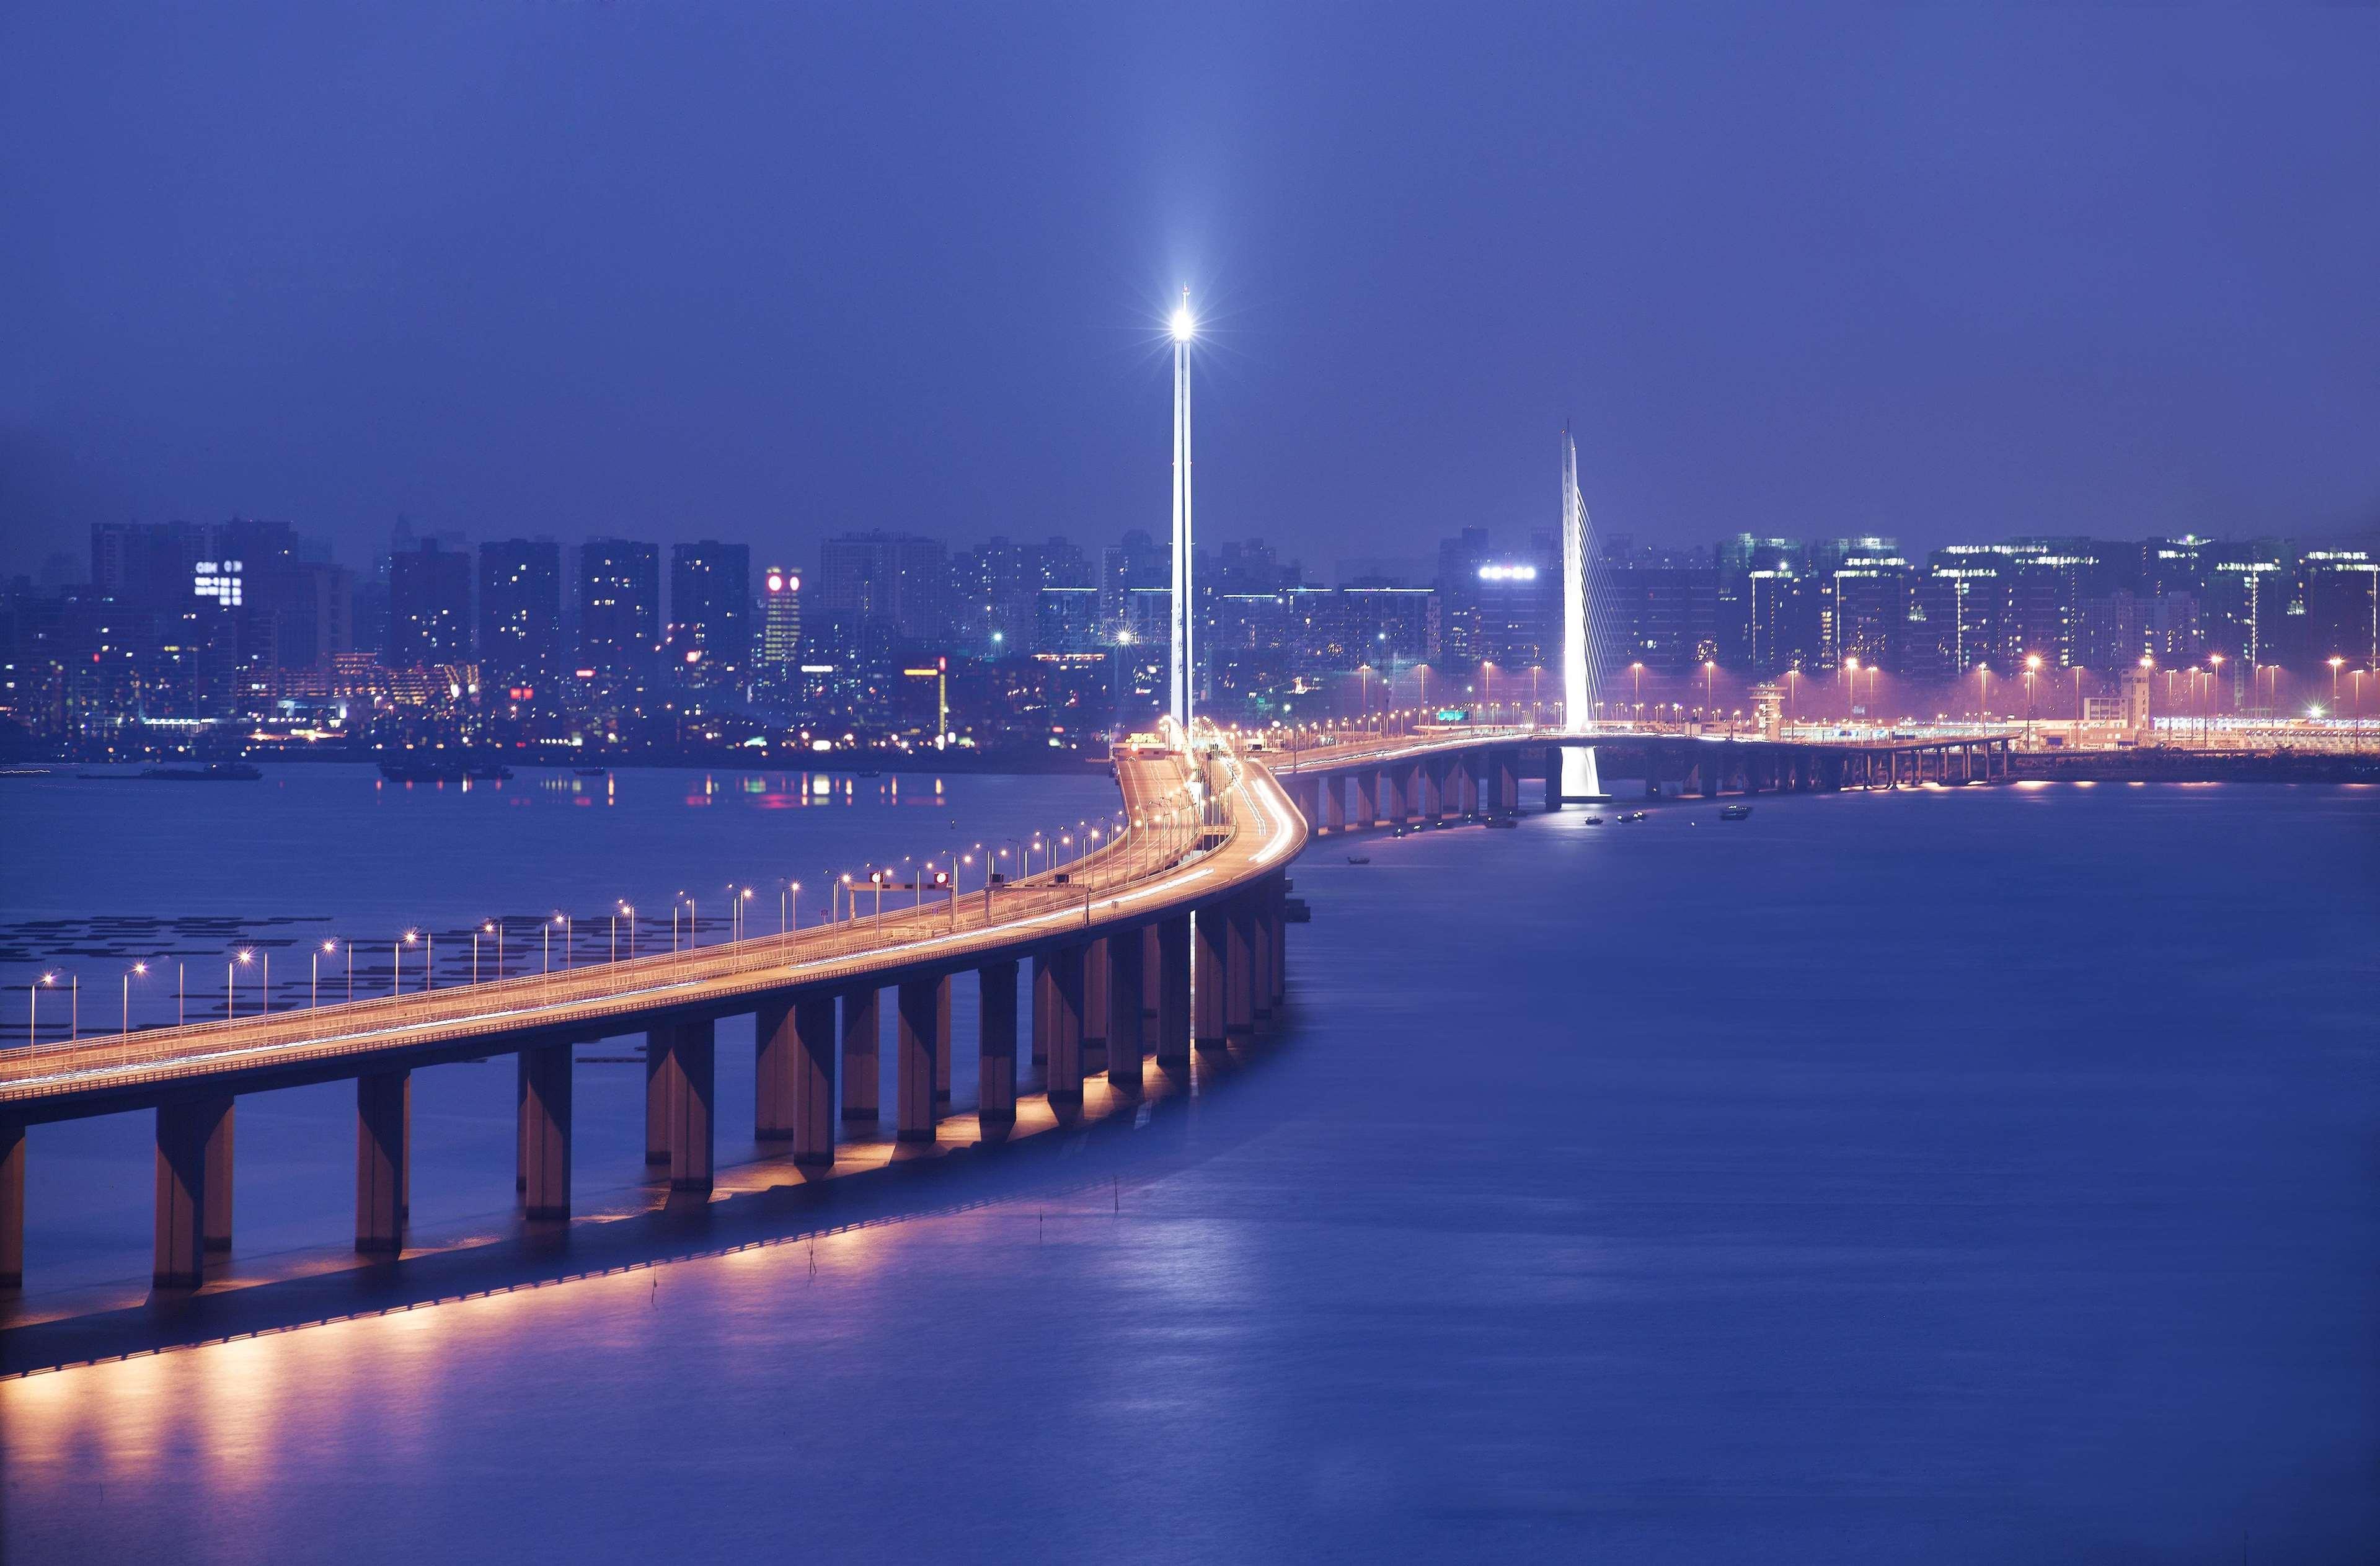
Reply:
x=766, y=273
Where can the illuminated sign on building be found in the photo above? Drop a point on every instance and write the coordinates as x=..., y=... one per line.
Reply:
x=1508, y=573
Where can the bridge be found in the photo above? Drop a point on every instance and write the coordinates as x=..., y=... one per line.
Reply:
x=1165, y=938
x=1429, y=773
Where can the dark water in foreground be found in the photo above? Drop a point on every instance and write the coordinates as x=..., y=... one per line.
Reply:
x=1946, y=1176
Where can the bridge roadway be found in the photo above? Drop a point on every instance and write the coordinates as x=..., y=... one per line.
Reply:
x=1432, y=772
x=1173, y=928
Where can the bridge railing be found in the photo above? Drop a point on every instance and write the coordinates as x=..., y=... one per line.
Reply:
x=1158, y=833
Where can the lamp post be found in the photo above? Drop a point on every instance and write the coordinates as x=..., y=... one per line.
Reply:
x=314, y=979
x=33, y=1004
x=138, y=970
x=231, y=989
x=1185, y=326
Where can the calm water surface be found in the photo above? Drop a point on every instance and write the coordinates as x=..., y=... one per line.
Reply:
x=1950, y=1176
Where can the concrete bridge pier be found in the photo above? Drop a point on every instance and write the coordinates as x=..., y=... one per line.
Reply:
x=1429, y=776
x=1174, y=966
x=381, y=1153
x=12, y=1205
x=1239, y=970
x=1061, y=1000
x=996, y=1048
x=925, y=1035
x=796, y=1101
x=657, y=1048
x=860, y=1032
x=1095, y=1007
x=1508, y=779
x=1127, y=970
x=184, y=1129
x=1553, y=778
x=1261, y=915
x=1335, y=803
x=691, y=1076
x=218, y=1195
x=1210, y=942
x=1044, y=1008
x=1393, y=783
x=1149, y=961
x=545, y=1129
x=1367, y=799
x=942, y=1060
x=1279, y=969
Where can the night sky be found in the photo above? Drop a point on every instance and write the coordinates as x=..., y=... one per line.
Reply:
x=764, y=272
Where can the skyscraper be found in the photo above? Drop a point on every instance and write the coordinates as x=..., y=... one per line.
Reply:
x=429, y=607
x=521, y=610
x=619, y=605
x=711, y=614
x=780, y=649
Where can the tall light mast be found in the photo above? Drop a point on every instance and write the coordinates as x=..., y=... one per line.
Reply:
x=1185, y=327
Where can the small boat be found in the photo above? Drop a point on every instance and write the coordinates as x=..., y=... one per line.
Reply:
x=1735, y=812
x=1632, y=816
x=1594, y=821
x=1359, y=858
x=1503, y=824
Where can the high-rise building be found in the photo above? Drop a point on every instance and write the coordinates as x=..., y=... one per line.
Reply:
x=619, y=605
x=520, y=612
x=711, y=614
x=1661, y=606
x=895, y=580
x=429, y=607
x=779, y=656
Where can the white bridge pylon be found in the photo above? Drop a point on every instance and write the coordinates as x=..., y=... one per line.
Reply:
x=1581, y=669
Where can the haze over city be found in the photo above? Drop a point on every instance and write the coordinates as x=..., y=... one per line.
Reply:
x=768, y=274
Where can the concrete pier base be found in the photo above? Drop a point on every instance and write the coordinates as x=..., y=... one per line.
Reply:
x=1173, y=992
x=381, y=1154
x=1334, y=805
x=545, y=1129
x=1239, y=969
x=1368, y=800
x=1126, y=975
x=657, y=1047
x=1210, y=940
x=1149, y=960
x=942, y=1060
x=184, y=1130
x=810, y=1049
x=924, y=1040
x=996, y=1048
x=1095, y=1008
x=218, y=1195
x=12, y=1205
x=691, y=1076
x=773, y=1046
x=1062, y=998
x=860, y=1032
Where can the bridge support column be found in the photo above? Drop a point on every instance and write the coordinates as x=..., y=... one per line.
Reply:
x=520, y=1121
x=381, y=1154
x=1150, y=985
x=12, y=1205
x=1508, y=779
x=1280, y=943
x=775, y=1042
x=925, y=1039
x=1060, y=999
x=1429, y=780
x=1264, y=911
x=942, y=1060
x=184, y=1129
x=1127, y=970
x=657, y=1048
x=545, y=1126
x=1209, y=985
x=691, y=1073
x=996, y=1048
x=1553, y=778
x=1174, y=966
x=1708, y=767
x=860, y=1031
x=1393, y=791
x=1239, y=969
x=1044, y=1008
x=218, y=1196
x=1335, y=803
x=1367, y=786
x=1095, y=1008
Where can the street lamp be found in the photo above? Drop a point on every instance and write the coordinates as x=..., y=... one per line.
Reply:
x=231, y=991
x=138, y=970
x=314, y=979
